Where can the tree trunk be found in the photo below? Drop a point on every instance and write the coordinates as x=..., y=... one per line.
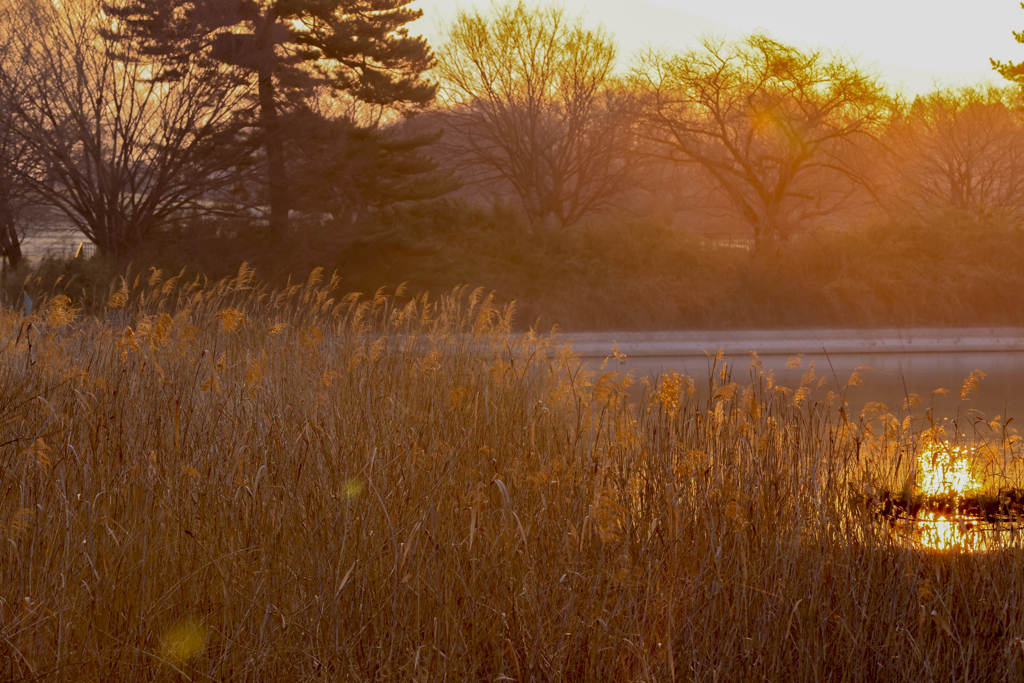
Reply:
x=13, y=253
x=10, y=245
x=277, y=181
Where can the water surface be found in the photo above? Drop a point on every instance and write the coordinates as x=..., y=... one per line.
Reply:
x=893, y=365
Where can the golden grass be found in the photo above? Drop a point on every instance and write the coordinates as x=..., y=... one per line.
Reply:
x=224, y=483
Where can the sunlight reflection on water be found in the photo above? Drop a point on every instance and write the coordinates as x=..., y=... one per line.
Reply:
x=932, y=531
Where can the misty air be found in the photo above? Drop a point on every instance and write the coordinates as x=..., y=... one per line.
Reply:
x=399, y=340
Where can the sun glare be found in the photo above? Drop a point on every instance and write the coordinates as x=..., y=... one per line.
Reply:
x=939, y=532
x=945, y=471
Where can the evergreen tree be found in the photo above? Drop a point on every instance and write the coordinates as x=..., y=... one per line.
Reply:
x=343, y=169
x=1009, y=70
x=360, y=47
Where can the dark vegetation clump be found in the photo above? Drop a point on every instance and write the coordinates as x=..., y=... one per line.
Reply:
x=950, y=269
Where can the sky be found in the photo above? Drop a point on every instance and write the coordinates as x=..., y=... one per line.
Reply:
x=912, y=43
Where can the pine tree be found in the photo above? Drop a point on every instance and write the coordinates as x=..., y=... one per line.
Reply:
x=1009, y=70
x=343, y=169
x=359, y=47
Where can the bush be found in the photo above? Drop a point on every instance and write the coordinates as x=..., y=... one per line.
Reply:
x=86, y=281
x=611, y=273
x=946, y=270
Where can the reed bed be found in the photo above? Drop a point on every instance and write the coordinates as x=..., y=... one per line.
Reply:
x=219, y=482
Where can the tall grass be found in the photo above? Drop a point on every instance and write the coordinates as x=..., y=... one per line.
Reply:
x=219, y=482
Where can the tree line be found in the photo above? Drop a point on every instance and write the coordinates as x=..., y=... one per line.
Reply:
x=129, y=116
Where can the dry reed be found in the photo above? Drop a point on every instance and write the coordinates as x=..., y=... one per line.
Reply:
x=224, y=483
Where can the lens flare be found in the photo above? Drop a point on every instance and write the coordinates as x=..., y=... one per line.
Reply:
x=183, y=642
x=352, y=488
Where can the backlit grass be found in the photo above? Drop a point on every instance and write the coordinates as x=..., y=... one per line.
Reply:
x=219, y=482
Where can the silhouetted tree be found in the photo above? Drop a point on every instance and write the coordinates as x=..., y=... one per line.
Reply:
x=360, y=47
x=119, y=153
x=16, y=158
x=534, y=103
x=1011, y=71
x=774, y=128
x=961, y=148
x=341, y=168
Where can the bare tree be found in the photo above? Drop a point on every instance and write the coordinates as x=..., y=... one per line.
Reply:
x=121, y=153
x=961, y=148
x=775, y=129
x=16, y=158
x=357, y=47
x=534, y=103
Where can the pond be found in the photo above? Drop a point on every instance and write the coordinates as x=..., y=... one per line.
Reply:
x=892, y=364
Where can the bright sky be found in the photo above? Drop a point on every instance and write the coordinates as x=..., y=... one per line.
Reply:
x=911, y=41
x=940, y=35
